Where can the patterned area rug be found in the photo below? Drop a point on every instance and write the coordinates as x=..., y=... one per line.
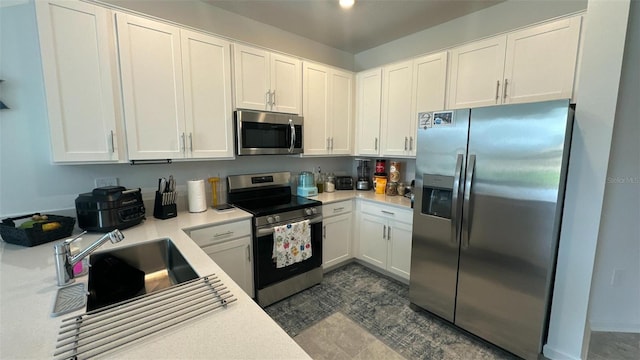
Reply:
x=381, y=306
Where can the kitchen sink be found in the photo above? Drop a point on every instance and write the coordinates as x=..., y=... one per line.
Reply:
x=127, y=272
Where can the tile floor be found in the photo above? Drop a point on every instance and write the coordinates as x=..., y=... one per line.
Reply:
x=326, y=321
x=619, y=346
x=357, y=313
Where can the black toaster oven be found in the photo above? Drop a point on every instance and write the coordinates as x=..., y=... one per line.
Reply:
x=344, y=183
x=108, y=208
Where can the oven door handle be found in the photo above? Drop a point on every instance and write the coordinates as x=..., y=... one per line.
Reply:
x=268, y=231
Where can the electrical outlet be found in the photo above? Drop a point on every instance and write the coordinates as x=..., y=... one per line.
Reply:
x=107, y=181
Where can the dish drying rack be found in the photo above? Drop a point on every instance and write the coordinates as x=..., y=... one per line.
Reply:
x=96, y=332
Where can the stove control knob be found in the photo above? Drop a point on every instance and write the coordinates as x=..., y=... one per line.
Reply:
x=270, y=219
x=314, y=211
x=277, y=217
x=307, y=211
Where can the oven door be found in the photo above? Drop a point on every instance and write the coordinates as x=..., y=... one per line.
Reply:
x=265, y=271
x=261, y=133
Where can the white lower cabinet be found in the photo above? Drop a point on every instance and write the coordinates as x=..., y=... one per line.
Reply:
x=229, y=245
x=336, y=233
x=385, y=238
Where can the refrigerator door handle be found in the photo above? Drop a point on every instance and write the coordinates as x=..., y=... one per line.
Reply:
x=455, y=209
x=466, y=206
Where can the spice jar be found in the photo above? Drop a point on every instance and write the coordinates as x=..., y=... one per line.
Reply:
x=392, y=189
x=394, y=171
x=401, y=189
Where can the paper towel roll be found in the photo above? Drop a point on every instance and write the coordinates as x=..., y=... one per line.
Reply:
x=196, y=195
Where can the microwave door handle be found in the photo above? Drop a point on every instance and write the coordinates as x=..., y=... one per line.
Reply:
x=293, y=135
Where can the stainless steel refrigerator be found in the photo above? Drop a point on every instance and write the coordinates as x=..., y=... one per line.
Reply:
x=488, y=204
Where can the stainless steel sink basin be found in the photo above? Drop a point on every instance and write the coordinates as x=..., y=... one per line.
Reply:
x=124, y=273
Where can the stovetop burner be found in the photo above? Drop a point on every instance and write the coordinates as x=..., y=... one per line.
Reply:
x=265, y=194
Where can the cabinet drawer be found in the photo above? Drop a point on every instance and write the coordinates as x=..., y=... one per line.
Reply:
x=388, y=212
x=337, y=208
x=220, y=233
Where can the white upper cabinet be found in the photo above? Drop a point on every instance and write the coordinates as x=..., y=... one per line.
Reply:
x=430, y=74
x=206, y=63
x=328, y=110
x=176, y=87
x=152, y=87
x=266, y=81
x=476, y=73
x=540, y=62
x=534, y=64
x=369, y=88
x=78, y=60
x=398, y=121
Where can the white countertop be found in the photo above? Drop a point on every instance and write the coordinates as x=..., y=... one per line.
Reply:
x=370, y=195
x=241, y=331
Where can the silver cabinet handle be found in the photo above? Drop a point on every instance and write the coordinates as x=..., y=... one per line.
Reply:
x=184, y=145
x=113, y=146
x=498, y=90
x=405, y=143
x=504, y=91
x=223, y=234
x=455, y=209
x=338, y=209
x=248, y=253
x=387, y=212
x=273, y=101
x=376, y=145
x=410, y=143
x=267, y=96
x=191, y=141
x=466, y=206
x=293, y=135
x=384, y=231
x=324, y=231
x=328, y=144
x=332, y=143
x=389, y=233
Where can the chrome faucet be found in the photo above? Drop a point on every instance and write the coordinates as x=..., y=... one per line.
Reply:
x=65, y=261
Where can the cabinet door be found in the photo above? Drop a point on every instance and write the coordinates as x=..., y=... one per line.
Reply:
x=234, y=257
x=373, y=240
x=369, y=87
x=206, y=64
x=430, y=73
x=79, y=88
x=286, y=84
x=399, y=249
x=336, y=242
x=316, y=109
x=540, y=62
x=251, y=77
x=341, y=112
x=397, y=113
x=151, y=71
x=476, y=73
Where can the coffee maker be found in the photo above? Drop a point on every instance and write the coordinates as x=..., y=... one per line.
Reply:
x=364, y=180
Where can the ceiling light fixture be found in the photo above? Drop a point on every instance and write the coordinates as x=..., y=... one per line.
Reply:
x=346, y=4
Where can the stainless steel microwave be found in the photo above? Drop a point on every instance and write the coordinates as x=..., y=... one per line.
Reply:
x=265, y=133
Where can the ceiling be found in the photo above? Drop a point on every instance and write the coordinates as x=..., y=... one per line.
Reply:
x=367, y=24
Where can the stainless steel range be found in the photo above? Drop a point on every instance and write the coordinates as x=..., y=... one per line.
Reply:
x=268, y=197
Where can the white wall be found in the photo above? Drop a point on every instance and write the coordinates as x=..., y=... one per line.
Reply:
x=599, y=79
x=615, y=289
x=490, y=21
x=29, y=182
x=203, y=16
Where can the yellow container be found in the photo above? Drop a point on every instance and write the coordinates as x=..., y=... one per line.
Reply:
x=380, y=184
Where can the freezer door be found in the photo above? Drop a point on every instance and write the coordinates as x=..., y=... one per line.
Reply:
x=440, y=157
x=511, y=213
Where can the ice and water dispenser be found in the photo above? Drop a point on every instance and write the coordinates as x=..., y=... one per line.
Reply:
x=437, y=195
